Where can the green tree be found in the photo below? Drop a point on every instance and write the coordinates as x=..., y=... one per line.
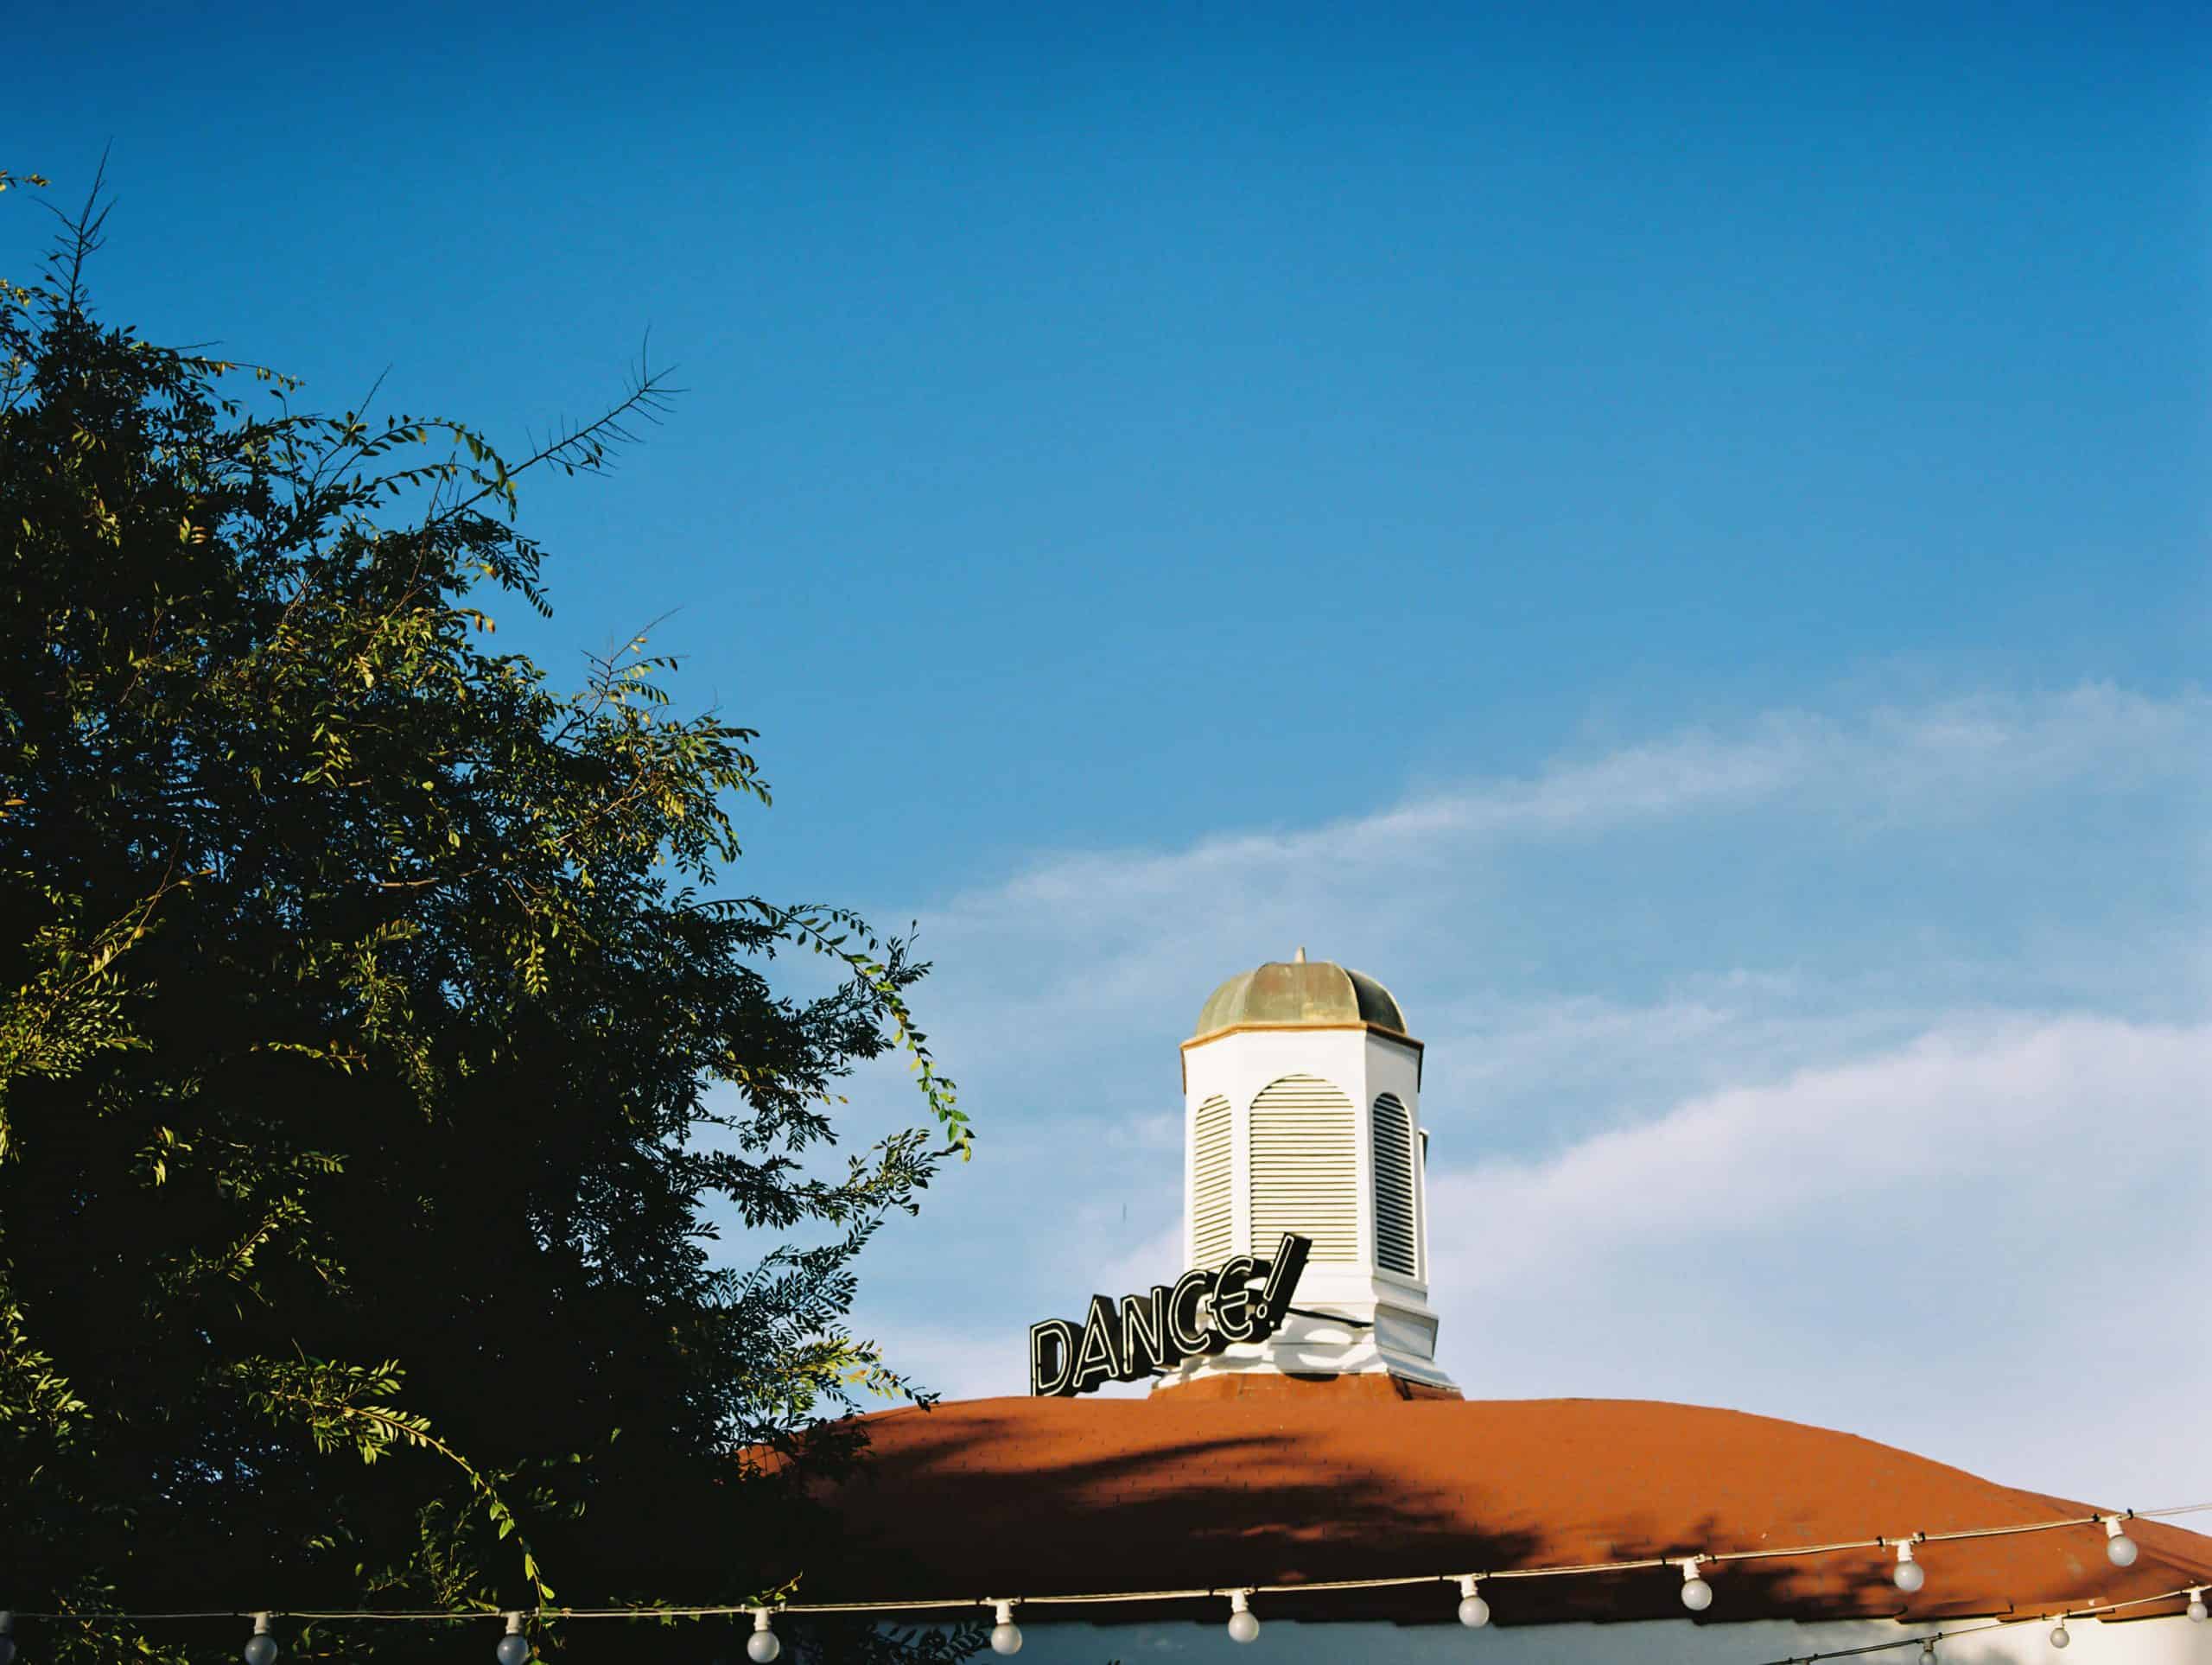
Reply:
x=375, y=1041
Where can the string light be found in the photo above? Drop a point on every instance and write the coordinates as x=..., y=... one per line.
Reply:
x=2119, y=1548
x=261, y=1648
x=763, y=1645
x=1006, y=1635
x=1474, y=1611
x=1697, y=1594
x=2098, y=1612
x=1243, y=1624
x=1239, y=1603
x=1910, y=1574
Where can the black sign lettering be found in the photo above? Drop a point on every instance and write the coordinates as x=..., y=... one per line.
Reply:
x=1246, y=1298
x=1282, y=1278
x=1232, y=1299
x=1144, y=1333
x=1096, y=1359
x=1186, y=1330
x=1051, y=1358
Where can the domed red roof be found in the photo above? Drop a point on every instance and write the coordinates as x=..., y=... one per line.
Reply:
x=1012, y=1496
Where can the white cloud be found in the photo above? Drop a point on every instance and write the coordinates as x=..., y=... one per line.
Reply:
x=2027, y=1102
x=1988, y=1245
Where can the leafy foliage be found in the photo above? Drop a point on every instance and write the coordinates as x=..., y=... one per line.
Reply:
x=373, y=1042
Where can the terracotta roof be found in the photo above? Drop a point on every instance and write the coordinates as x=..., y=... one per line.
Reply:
x=999, y=1496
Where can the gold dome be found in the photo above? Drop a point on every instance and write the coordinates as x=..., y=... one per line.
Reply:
x=1300, y=993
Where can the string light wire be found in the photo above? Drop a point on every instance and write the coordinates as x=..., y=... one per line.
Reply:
x=2096, y=1612
x=1198, y=1593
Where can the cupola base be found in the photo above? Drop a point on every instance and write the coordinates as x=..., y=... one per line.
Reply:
x=1397, y=1345
x=1376, y=1385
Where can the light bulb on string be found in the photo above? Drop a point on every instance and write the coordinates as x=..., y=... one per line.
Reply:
x=1474, y=1611
x=763, y=1645
x=1927, y=1650
x=1697, y=1594
x=2058, y=1636
x=261, y=1648
x=2196, y=1609
x=1243, y=1624
x=1006, y=1635
x=514, y=1647
x=2119, y=1548
x=1910, y=1574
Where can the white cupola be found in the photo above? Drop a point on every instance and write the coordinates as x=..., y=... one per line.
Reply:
x=1302, y=1113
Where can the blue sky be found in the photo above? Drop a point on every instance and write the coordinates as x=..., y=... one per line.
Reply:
x=1676, y=540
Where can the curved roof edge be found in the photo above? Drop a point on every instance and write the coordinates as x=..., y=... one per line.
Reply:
x=1087, y=1495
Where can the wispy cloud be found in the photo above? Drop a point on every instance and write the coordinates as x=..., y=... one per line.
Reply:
x=1983, y=1244
x=1925, y=763
x=1076, y=934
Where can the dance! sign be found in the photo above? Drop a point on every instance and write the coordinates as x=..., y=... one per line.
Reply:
x=1244, y=1298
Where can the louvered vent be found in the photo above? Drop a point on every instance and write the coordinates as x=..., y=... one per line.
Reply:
x=1210, y=1184
x=1396, y=1241
x=1305, y=1168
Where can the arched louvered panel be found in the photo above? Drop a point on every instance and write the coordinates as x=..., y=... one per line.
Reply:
x=1211, y=1166
x=1305, y=1167
x=1397, y=1242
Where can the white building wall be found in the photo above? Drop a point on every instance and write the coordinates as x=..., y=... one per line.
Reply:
x=2171, y=1641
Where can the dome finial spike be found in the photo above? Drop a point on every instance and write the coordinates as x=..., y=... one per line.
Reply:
x=1300, y=960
